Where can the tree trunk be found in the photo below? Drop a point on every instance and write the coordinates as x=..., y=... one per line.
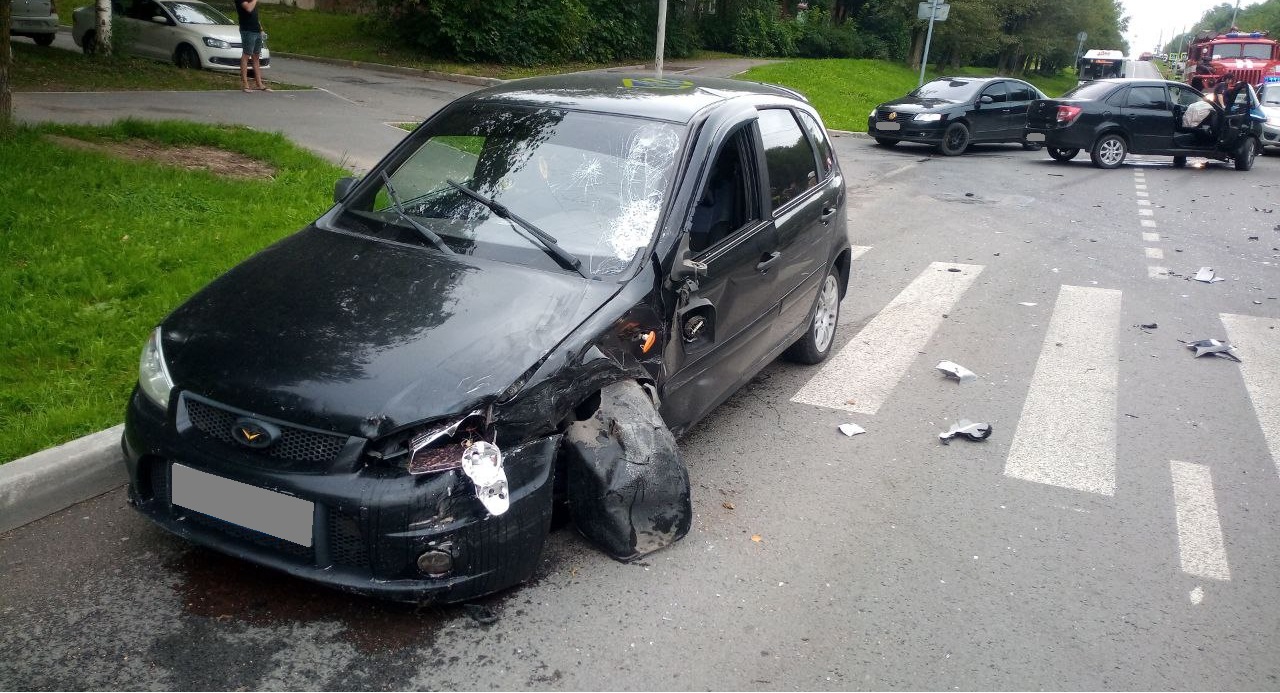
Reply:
x=6, y=59
x=104, y=27
x=917, y=48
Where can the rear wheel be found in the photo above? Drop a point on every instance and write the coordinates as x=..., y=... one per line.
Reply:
x=89, y=44
x=886, y=141
x=815, y=345
x=186, y=58
x=1179, y=161
x=43, y=39
x=955, y=139
x=1246, y=153
x=1109, y=151
x=1062, y=154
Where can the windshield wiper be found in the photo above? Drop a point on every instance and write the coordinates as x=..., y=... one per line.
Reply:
x=564, y=257
x=427, y=233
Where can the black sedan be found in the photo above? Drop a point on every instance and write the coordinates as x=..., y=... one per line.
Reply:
x=953, y=112
x=521, y=305
x=1112, y=118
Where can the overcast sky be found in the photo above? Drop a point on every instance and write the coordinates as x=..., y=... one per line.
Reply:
x=1148, y=19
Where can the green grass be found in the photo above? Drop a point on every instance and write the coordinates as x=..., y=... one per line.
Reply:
x=53, y=69
x=844, y=91
x=98, y=249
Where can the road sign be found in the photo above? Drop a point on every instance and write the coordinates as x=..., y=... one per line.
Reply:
x=926, y=10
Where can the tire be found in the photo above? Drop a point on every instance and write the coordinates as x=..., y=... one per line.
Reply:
x=1245, y=155
x=955, y=139
x=815, y=345
x=1032, y=146
x=43, y=39
x=1058, y=154
x=1109, y=151
x=1179, y=161
x=186, y=58
x=89, y=43
x=886, y=142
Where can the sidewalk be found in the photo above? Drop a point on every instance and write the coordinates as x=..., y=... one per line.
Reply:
x=46, y=482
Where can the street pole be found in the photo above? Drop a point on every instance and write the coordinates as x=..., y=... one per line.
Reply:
x=662, y=37
x=1234, y=13
x=924, y=62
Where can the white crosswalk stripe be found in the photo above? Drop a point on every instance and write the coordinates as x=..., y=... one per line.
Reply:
x=1073, y=389
x=860, y=377
x=1257, y=340
x=1200, y=545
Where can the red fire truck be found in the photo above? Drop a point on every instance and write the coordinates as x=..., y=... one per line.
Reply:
x=1250, y=56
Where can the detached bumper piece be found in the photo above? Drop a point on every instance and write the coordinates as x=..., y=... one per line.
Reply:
x=373, y=531
x=628, y=488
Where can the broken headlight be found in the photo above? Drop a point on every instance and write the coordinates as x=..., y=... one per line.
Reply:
x=436, y=447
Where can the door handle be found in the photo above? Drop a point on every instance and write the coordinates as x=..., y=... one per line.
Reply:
x=827, y=213
x=770, y=260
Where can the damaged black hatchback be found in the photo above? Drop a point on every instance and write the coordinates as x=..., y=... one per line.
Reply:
x=522, y=304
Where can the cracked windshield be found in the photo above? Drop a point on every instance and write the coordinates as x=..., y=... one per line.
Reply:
x=594, y=183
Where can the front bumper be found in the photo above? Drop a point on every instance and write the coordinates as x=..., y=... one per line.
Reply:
x=228, y=59
x=906, y=130
x=369, y=524
x=1271, y=135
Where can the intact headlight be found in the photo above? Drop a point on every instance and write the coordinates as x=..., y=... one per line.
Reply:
x=216, y=42
x=927, y=117
x=153, y=374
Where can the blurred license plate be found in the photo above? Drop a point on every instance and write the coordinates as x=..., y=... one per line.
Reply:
x=888, y=126
x=258, y=509
x=1035, y=136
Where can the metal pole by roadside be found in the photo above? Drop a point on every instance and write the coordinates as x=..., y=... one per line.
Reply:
x=924, y=60
x=662, y=37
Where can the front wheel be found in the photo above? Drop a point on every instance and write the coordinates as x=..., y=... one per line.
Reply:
x=1109, y=151
x=1062, y=154
x=1245, y=155
x=815, y=345
x=955, y=139
x=186, y=58
x=886, y=141
x=89, y=44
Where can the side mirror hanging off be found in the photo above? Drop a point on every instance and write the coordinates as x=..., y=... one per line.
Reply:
x=343, y=186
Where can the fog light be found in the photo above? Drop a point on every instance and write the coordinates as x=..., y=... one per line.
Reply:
x=435, y=563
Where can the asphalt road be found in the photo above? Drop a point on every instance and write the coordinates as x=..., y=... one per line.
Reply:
x=1117, y=531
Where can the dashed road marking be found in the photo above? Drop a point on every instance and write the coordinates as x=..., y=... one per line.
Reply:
x=1149, y=223
x=1154, y=253
x=1146, y=212
x=1150, y=237
x=867, y=369
x=1200, y=546
x=1073, y=389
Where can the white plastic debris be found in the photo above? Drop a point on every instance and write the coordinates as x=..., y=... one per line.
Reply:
x=1216, y=347
x=483, y=463
x=966, y=429
x=1026, y=303
x=1206, y=275
x=851, y=429
x=956, y=371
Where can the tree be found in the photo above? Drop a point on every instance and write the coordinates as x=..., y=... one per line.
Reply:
x=6, y=61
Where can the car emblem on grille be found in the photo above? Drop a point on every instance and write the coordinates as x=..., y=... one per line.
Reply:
x=893, y=115
x=255, y=434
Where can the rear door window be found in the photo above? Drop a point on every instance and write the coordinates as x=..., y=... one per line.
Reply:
x=788, y=156
x=1147, y=98
x=826, y=160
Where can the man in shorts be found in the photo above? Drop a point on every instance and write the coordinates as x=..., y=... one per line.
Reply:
x=251, y=40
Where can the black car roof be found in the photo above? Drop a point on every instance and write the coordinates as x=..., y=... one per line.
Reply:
x=675, y=98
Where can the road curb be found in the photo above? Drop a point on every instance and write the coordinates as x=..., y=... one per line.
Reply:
x=41, y=484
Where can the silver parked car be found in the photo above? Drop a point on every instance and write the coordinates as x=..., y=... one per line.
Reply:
x=34, y=19
x=190, y=33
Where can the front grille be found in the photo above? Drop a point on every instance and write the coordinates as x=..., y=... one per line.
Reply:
x=1248, y=76
x=297, y=444
x=346, y=543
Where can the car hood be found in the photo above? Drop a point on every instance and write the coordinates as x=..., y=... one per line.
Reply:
x=351, y=334
x=915, y=104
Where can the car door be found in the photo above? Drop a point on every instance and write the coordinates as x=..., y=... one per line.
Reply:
x=147, y=36
x=1021, y=95
x=990, y=115
x=1148, y=117
x=804, y=197
x=727, y=300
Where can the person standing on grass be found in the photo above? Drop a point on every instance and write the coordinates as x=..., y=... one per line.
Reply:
x=251, y=42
